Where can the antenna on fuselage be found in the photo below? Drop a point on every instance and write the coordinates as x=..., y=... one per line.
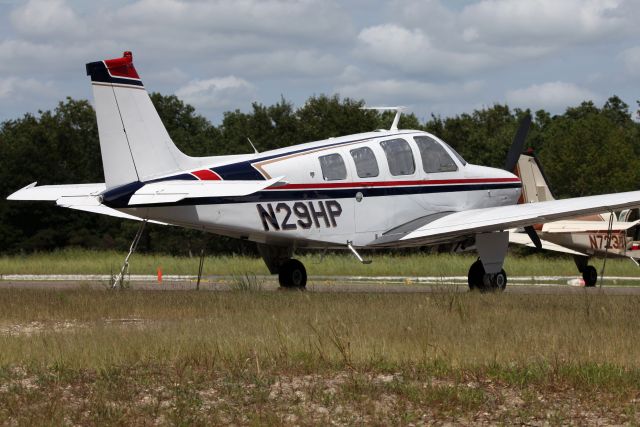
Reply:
x=255, y=150
x=396, y=119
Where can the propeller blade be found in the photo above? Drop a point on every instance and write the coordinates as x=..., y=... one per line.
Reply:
x=531, y=232
x=518, y=143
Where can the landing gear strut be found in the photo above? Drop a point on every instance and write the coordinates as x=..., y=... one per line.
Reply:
x=484, y=282
x=119, y=280
x=487, y=274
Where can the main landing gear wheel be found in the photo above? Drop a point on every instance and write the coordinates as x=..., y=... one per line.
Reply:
x=292, y=274
x=483, y=282
x=590, y=276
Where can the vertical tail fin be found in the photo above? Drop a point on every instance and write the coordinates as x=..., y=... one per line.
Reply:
x=534, y=182
x=134, y=143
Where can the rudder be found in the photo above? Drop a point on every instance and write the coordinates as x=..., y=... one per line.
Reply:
x=134, y=144
x=534, y=183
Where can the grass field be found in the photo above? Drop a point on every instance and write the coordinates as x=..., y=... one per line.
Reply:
x=94, y=357
x=89, y=262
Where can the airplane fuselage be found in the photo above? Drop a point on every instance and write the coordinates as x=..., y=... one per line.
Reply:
x=339, y=190
x=593, y=237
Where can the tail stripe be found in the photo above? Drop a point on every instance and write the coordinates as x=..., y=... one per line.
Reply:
x=115, y=71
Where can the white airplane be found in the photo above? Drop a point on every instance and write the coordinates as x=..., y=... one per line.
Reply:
x=600, y=235
x=388, y=188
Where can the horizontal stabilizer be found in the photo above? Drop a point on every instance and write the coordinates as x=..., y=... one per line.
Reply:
x=523, y=239
x=82, y=197
x=173, y=191
x=54, y=192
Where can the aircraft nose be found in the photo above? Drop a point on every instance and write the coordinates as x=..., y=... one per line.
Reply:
x=508, y=175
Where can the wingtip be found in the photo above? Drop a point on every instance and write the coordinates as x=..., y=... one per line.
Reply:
x=15, y=195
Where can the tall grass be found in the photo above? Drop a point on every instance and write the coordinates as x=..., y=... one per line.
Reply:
x=106, y=328
x=73, y=261
x=92, y=357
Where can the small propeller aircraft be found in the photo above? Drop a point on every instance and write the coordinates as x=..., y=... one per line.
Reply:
x=599, y=235
x=382, y=189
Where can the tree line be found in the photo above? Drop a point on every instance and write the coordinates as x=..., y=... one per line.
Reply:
x=588, y=149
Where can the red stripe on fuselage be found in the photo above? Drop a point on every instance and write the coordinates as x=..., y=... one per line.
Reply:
x=206, y=175
x=397, y=183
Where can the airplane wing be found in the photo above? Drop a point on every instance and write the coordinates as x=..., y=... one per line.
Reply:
x=81, y=197
x=174, y=191
x=467, y=223
x=525, y=240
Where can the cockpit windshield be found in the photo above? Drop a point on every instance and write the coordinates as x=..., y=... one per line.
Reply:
x=455, y=153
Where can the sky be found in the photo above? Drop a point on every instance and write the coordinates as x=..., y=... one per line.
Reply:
x=432, y=56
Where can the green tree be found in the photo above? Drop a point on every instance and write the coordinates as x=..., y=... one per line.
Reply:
x=191, y=132
x=482, y=137
x=324, y=117
x=589, y=150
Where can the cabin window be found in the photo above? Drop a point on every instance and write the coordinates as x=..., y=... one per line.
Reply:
x=434, y=157
x=366, y=163
x=333, y=167
x=399, y=157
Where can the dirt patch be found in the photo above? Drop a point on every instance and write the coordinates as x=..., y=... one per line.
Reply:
x=339, y=398
x=37, y=327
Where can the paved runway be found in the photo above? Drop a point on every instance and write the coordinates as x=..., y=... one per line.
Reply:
x=392, y=284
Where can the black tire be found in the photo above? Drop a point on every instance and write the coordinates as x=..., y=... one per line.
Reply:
x=475, y=278
x=479, y=280
x=590, y=276
x=292, y=274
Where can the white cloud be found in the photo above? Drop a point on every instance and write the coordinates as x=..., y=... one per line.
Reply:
x=309, y=19
x=14, y=89
x=430, y=15
x=492, y=33
x=553, y=96
x=351, y=74
x=394, y=92
x=631, y=60
x=46, y=58
x=47, y=18
x=395, y=51
x=291, y=62
x=217, y=93
x=173, y=75
x=414, y=52
x=532, y=22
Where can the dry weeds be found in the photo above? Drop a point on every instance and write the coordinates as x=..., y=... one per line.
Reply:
x=201, y=358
